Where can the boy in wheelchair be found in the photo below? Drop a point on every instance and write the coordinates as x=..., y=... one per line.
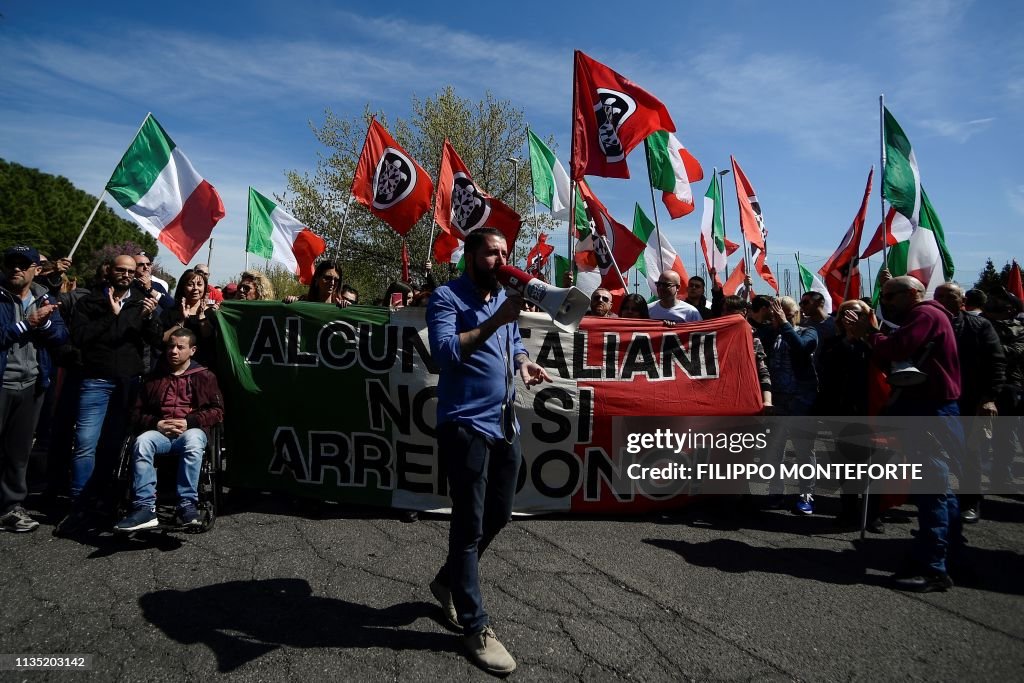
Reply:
x=176, y=408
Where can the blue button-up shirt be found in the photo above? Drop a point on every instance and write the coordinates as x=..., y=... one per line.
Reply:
x=471, y=391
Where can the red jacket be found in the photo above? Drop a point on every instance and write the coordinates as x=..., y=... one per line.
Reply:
x=926, y=322
x=195, y=393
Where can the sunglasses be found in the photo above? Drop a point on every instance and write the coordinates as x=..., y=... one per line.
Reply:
x=143, y=264
x=665, y=284
x=18, y=265
x=122, y=271
x=605, y=299
x=328, y=278
x=244, y=289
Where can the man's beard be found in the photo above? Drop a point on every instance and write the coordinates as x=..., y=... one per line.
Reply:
x=485, y=279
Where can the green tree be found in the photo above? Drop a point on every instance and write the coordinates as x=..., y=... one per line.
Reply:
x=990, y=280
x=283, y=280
x=486, y=135
x=47, y=212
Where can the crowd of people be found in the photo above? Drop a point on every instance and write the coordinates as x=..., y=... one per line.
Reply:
x=132, y=356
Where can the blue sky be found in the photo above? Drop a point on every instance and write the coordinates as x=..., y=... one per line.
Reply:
x=790, y=88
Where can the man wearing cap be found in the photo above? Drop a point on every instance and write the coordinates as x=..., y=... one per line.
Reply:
x=29, y=326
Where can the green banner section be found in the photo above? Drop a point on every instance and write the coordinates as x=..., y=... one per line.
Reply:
x=301, y=378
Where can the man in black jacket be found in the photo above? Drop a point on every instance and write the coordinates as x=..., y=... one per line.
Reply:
x=982, y=372
x=111, y=327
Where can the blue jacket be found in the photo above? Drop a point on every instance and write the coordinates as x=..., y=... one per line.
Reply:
x=791, y=362
x=52, y=334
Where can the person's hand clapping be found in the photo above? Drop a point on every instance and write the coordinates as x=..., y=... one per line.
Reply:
x=38, y=317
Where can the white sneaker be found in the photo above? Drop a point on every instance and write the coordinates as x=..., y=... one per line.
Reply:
x=487, y=651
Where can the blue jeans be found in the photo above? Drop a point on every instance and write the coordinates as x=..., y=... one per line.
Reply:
x=482, y=474
x=94, y=421
x=938, y=512
x=190, y=446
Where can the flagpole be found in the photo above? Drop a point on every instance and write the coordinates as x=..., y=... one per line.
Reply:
x=433, y=210
x=88, y=222
x=881, y=193
x=104, y=190
x=799, y=272
x=608, y=250
x=718, y=175
x=209, y=256
x=572, y=169
x=344, y=222
x=654, y=208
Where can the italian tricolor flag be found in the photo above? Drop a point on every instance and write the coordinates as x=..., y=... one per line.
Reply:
x=927, y=257
x=812, y=283
x=672, y=169
x=158, y=187
x=712, y=230
x=276, y=235
x=658, y=255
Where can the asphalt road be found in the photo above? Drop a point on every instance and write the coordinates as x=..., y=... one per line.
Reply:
x=280, y=591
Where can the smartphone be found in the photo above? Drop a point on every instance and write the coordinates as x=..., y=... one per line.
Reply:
x=397, y=300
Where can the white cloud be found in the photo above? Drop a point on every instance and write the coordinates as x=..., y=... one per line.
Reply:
x=961, y=131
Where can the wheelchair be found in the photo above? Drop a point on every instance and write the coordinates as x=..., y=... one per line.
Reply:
x=210, y=486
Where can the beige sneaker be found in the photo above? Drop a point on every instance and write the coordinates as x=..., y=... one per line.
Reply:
x=487, y=651
x=444, y=596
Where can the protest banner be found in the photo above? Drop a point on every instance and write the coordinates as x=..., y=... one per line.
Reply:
x=339, y=404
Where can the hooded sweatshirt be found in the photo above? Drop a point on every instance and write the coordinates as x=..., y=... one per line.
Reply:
x=926, y=322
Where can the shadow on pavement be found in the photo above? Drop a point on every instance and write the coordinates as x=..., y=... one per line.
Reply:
x=997, y=571
x=829, y=566
x=243, y=620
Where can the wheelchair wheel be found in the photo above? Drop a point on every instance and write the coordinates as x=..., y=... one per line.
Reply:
x=209, y=487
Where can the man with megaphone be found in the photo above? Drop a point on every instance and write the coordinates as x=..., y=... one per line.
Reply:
x=475, y=341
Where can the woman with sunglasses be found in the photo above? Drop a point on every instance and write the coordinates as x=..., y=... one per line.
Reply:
x=325, y=288
x=254, y=287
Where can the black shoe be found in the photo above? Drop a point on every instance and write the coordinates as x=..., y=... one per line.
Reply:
x=875, y=526
x=928, y=583
x=410, y=516
x=187, y=514
x=75, y=523
x=970, y=515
